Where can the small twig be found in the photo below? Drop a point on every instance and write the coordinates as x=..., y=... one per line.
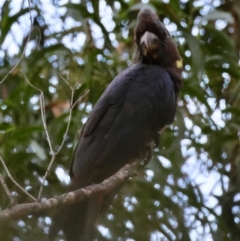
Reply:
x=52, y=152
x=70, y=112
x=24, y=49
x=64, y=136
x=1, y=82
x=6, y=189
x=70, y=116
x=80, y=98
x=43, y=115
x=12, y=179
x=42, y=107
x=21, y=210
x=45, y=176
x=66, y=82
x=55, y=153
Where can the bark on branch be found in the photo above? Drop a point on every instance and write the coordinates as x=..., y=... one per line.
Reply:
x=20, y=210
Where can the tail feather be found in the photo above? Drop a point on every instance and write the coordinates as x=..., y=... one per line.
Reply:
x=79, y=220
x=71, y=220
x=94, y=209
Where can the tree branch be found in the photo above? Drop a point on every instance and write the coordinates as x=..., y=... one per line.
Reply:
x=20, y=210
x=15, y=182
x=42, y=107
x=5, y=187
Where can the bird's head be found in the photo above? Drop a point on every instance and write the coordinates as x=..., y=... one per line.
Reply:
x=155, y=44
x=149, y=32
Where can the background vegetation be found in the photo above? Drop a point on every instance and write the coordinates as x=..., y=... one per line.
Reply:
x=191, y=188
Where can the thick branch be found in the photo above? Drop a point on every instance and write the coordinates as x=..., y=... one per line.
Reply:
x=20, y=210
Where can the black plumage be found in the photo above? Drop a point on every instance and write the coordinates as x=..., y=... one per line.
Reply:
x=124, y=124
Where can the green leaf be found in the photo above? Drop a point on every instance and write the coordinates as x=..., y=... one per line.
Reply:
x=8, y=21
x=215, y=15
x=196, y=52
x=25, y=132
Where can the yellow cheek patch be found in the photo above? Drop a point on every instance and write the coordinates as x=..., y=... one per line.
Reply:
x=179, y=64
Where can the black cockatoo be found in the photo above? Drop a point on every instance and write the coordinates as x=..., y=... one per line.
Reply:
x=124, y=124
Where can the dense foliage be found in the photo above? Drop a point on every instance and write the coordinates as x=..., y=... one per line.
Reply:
x=190, y=190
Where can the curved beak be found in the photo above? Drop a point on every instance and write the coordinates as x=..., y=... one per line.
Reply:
x=148, y=39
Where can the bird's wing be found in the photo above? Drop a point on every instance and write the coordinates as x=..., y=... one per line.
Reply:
x=139, y=102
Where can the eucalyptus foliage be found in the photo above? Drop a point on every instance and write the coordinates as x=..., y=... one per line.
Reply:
x=191, y=188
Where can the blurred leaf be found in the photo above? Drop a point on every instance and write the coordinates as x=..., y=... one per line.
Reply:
x=196, y=52
x=215, y=15
x=39, y=150
x=7, y=22
x=23, y=133
x=139, y=6
x=174, y=196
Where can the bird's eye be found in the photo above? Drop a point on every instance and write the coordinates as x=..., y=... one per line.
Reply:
x=164, y=34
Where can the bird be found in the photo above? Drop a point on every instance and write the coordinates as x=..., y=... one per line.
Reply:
x=124, y=125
